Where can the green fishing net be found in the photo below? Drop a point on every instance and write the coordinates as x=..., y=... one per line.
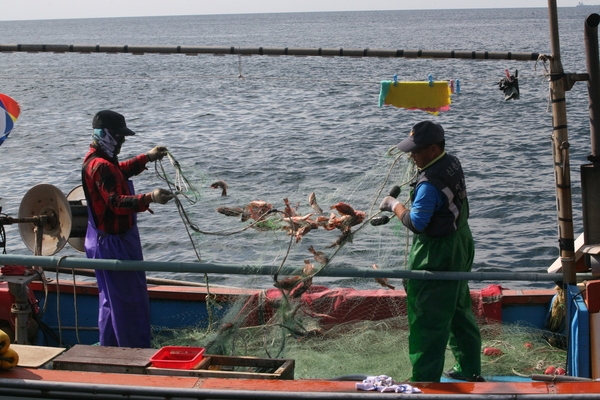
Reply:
x=375, y=348
x=256, y=231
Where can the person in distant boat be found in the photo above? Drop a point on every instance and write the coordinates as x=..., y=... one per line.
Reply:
x=439, y=311
x=112, y=232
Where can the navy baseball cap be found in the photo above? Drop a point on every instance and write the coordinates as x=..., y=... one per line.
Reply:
x=422, y=134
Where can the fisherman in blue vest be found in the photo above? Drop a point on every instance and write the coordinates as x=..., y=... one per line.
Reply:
x=439, y=311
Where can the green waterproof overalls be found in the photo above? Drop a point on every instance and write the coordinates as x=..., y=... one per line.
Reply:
x=439, y=312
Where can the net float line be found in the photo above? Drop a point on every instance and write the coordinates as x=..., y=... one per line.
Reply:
x=53, y=262
x=269, y=51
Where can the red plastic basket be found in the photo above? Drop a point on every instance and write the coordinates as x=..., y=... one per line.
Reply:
x=177, y=357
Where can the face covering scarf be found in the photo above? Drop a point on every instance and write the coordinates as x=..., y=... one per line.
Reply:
x=107, y=142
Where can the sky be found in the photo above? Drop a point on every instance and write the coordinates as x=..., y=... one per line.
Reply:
x=67, y=9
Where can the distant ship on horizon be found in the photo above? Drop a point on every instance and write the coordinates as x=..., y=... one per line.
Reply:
x=580, y=4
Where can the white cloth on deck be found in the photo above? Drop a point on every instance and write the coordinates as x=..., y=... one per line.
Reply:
x=383, y=383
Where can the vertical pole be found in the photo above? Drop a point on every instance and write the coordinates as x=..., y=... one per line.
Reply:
x=590, y=173
x=20, y=309
x=560, y=151
x=593, y=70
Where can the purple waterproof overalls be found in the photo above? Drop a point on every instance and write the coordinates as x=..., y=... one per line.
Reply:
x=124, y=307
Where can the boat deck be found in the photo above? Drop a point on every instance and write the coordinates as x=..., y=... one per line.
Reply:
x=289, y=386
x=60, y=372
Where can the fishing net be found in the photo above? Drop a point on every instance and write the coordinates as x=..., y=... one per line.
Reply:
x=293, y=232
x=323, y=323
x=375, y=348
x=523, y=350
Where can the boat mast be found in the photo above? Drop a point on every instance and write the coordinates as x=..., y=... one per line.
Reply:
x=560, y=151
x=590, y=173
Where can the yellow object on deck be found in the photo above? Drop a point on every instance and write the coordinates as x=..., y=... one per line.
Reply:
x=9, y=359
x=432, y=97
x=4, y=341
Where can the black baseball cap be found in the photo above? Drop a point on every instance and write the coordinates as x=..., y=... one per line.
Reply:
x=113, y=121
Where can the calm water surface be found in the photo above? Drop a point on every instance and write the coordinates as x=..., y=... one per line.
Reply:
x=293, y=125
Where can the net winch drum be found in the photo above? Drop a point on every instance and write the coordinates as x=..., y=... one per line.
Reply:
x=78, y=205
x=47, y=203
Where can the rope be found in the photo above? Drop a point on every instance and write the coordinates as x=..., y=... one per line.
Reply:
x=182, y=189
x=176, y=189
x=291, y=243
x=544, y=59
x=74, y=303
x=180, y=186
x=58, y=303
x=394, y=151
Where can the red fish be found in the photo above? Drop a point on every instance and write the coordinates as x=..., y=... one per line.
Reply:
x=302, y=231
x=256, y=210
x=289, y=210
x=345, y=236
x=230, y=211
x=344, y=209
x=222, y=185
x=319, y=255
x=312, y=200
x=288, y=283
x=308, y=269
x=383, y=281
x=307, y=274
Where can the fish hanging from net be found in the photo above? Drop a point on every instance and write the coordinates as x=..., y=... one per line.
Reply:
x=280, y=229
x=329, y=326
x=300, y=234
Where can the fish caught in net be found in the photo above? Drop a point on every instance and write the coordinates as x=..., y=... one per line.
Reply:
x=330, y=326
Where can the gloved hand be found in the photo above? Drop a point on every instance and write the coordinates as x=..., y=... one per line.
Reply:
x=157, y=153
x=161, y=196
x=388, y=204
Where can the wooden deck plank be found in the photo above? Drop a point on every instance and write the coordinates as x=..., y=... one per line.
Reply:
x=104, y=359
x=35, y=356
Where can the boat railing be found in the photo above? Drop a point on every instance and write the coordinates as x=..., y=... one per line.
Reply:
x=55, y=262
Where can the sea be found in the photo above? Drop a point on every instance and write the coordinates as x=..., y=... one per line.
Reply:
x=283, y=127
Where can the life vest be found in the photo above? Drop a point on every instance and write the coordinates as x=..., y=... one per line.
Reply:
x=447, y=176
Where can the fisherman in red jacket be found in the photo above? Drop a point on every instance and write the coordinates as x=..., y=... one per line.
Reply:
x=112, y=232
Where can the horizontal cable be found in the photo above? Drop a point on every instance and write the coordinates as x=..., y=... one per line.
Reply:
x=270, y=51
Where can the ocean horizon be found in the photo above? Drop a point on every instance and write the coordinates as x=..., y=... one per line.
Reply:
x=580, y=5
